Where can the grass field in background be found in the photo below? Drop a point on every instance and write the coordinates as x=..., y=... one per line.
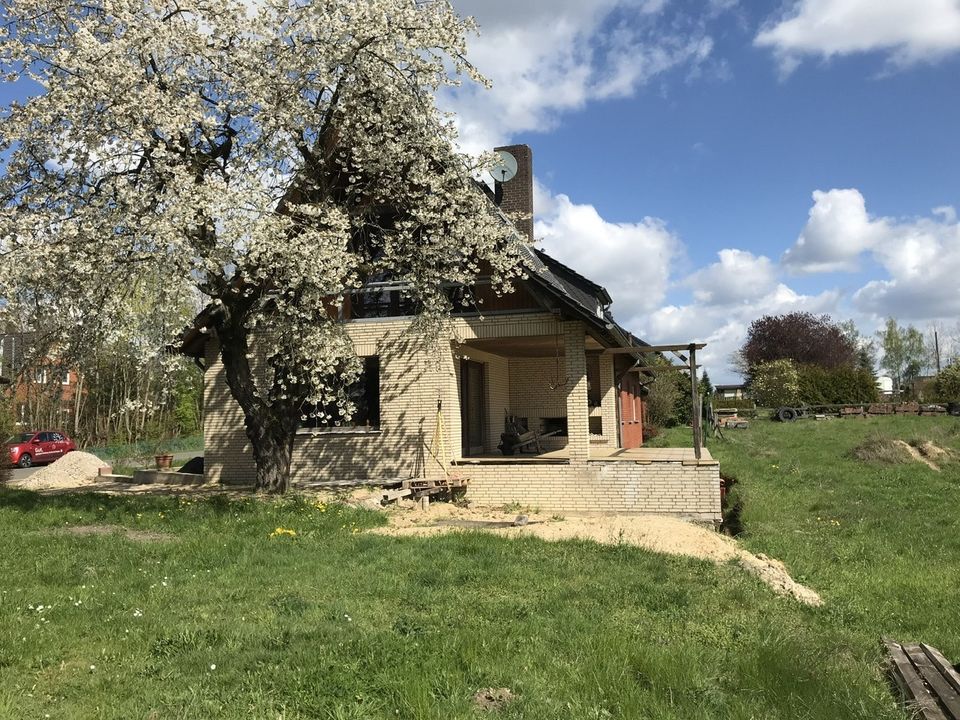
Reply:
x=215, y=615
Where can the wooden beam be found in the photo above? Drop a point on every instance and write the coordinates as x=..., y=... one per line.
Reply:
x=644, y=349
x=648, y=368
x=695, y=398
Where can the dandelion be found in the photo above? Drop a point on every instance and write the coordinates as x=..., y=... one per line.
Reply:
x=213, y=666
x=281, y=531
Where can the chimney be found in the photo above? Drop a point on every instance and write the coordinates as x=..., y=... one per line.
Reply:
x=518, y=192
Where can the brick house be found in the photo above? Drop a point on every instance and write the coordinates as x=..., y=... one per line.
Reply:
x=42, y=392
x=548, y=358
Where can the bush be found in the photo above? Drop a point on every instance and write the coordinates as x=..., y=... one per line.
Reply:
x=739, y=404
x=823, y=386
x=776, y=383
x=946, y=387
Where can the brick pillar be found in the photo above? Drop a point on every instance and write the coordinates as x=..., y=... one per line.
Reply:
x=578, y=424
x=608, y=400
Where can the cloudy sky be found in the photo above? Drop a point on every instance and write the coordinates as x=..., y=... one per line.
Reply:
x=711, y=161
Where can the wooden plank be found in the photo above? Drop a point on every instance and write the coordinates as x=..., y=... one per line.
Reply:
x=945, y=694
x=695, y=399
x=943, y=665
x=648, y=368
x=644, y=349
x=911, y=684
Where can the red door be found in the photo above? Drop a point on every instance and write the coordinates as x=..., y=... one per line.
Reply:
x=631, y=413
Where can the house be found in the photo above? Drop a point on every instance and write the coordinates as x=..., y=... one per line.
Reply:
x=730, y=392
x=42, y=393
x=547, y=358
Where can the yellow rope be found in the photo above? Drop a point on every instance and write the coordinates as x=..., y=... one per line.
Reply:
x=438, y=446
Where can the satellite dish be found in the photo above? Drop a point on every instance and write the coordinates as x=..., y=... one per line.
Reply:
x=506, y=169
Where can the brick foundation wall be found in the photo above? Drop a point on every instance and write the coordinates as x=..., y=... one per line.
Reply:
x=670, y=488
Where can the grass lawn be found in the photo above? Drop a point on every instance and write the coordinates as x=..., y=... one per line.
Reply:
x=211, y=617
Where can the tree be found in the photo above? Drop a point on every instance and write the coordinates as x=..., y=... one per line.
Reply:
x=705, y=387
x=273, y=156
x=866, y=348
x=799, y=336
x=904, y=352
x=947, y=385
x=776, y=383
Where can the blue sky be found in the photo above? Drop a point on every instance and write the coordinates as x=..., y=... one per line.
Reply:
x=712, y=161
x=687, y=139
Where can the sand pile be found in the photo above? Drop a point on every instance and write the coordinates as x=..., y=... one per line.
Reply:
x=661, y=534
x=75, y=469
x=890, y=451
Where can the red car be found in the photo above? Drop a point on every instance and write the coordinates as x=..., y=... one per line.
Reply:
x=38, y=447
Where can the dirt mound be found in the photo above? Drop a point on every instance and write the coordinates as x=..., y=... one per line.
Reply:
x=75, y=469
x=668, y=535
x=895, y=452
x=883, y=450
x=493, y=699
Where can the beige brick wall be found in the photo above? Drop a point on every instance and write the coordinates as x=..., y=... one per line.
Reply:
x=670, y=488
x=608, y=401
x=578, y=412
x=412, y=378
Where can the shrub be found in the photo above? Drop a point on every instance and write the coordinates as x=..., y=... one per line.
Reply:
x=776, y=383
x=739, y=404
x=823, y=386
x=946, y=387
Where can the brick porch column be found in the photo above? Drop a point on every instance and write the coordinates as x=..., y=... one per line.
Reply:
x=578, y=423
x=608, y=401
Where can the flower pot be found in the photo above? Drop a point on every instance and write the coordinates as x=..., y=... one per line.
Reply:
x=163, y=461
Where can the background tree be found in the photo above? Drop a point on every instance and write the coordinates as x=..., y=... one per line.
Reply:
x=866, y=347
x=776, y=383
x=705, y=386
x=801, y=337
x=904, y=352
x=272, y=158
x=947, y=385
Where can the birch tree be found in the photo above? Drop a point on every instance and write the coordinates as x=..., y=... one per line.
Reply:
x=273, y=155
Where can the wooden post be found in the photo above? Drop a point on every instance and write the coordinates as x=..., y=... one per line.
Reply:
x=695, y=398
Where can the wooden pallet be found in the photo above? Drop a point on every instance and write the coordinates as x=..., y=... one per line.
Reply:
x=929, y=684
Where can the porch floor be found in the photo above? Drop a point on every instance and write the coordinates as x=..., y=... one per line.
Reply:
x=636, y=455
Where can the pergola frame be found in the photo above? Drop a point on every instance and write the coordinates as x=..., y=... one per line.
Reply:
x=691, y=366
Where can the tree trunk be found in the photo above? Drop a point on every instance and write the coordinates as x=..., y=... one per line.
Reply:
x=270, y=426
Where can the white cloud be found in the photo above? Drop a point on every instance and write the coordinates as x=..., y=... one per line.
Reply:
x=910, y=30
x=547, y=57
x=921, y=256
x=739, y=277
x=837, y=232
x=724, y=327
x=632, y=260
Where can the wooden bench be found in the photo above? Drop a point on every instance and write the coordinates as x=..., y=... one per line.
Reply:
x=928, y=683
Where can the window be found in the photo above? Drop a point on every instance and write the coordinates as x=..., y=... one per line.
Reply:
x=365, y=394
x=65, y=378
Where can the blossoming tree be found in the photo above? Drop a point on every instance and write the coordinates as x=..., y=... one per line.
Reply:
x=272, y=155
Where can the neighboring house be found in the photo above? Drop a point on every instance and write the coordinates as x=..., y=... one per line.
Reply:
x=885, y=385
x=730, y=392
x=539, y=357
x=42, y=392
